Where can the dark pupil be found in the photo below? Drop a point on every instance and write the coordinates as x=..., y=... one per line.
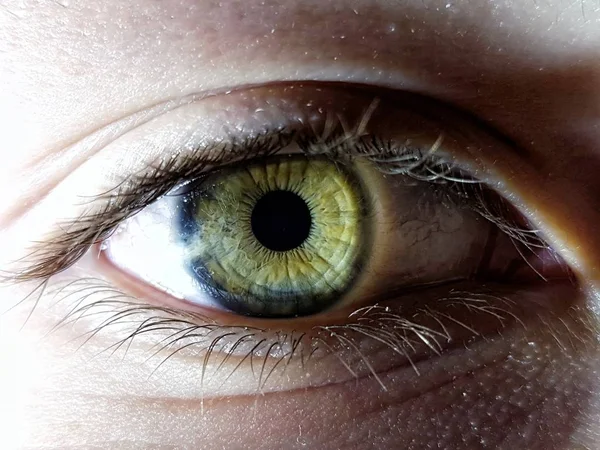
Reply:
x=281, y=220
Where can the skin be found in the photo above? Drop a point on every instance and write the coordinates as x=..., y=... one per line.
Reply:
x=530, y=69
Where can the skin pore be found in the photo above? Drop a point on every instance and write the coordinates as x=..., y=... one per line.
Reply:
x=85, y=83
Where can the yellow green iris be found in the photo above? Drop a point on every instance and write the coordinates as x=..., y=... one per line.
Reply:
x=281, y=237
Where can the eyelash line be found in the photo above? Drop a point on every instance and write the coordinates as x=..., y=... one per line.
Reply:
x=66, y=246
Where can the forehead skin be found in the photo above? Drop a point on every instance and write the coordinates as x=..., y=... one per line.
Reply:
x=530, y=68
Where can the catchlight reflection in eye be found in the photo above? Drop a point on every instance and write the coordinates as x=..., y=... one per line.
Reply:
x=281, y=237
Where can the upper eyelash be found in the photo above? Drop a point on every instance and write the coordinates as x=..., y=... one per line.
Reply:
x=108, y=210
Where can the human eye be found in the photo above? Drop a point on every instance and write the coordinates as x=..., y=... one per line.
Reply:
x=302, y=236
x=325, y=223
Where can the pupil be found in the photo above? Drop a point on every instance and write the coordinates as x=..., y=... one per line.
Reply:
x=281, y=220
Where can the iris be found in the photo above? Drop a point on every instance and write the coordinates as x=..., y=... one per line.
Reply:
x=282, y=237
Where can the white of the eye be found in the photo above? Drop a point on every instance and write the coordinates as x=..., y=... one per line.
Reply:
x=147, y=246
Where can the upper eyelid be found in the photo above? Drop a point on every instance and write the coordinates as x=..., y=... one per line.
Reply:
x=60, y=235
x=76, y=153
x=130, y=196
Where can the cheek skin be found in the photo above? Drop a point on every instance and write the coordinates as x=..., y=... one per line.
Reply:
x=531, y=387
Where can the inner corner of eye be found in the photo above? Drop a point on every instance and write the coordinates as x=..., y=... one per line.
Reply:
x=294, y=235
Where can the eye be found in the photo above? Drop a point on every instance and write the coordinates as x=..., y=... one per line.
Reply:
x=332, y=233
x=282, y=237
x=298, y=235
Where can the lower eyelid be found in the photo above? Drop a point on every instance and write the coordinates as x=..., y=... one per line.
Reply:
x=424, y=325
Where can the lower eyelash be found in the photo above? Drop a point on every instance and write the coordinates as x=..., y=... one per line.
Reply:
x=411, y=335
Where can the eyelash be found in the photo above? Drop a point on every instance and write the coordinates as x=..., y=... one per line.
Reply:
x=134, y=193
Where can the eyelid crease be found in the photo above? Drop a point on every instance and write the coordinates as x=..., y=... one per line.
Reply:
x=105, y=134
